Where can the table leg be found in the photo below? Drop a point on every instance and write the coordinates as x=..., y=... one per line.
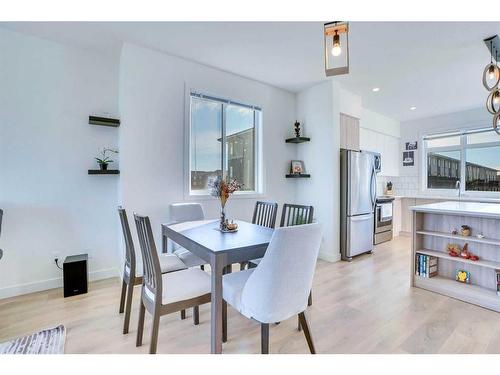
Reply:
x=217, y=265
x=164, y=244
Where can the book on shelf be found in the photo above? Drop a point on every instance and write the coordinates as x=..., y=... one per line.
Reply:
x=426, y=265
x=497, y=273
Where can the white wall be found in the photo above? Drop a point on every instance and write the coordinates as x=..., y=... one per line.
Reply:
x=47, y=92
x=414, y=131
x=152, y=106
x=318, y=111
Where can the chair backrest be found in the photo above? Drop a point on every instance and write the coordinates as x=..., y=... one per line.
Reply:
x=296, y=214
x=152, y=271
x=265, y=214
x=130, y=260
x=279, y=287
x=181, y=212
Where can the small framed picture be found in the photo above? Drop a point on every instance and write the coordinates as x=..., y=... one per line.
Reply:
x=408, y=158
x=411, y=145
x=297, y=167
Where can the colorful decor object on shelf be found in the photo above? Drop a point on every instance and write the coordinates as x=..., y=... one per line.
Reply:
x=465, y=231
x=463, y=276
x=426, y=265
x=297, y=129
x=454, y=250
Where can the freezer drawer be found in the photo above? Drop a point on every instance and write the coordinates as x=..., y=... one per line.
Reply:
x=359, y=235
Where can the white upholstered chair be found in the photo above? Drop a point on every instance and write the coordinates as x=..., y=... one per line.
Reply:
x=165, y=293
x=180, y=213
x=278, y=288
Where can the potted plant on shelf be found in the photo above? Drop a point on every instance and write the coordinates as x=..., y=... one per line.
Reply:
x=104, y=160
x=222, y=189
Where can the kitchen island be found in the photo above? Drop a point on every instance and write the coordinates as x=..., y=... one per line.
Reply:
x=442, y=252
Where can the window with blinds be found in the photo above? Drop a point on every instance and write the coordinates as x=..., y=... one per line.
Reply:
x=222, y=142
x=471, y=157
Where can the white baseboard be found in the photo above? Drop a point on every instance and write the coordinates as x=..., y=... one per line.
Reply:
x=37, y=286
x=329, y=257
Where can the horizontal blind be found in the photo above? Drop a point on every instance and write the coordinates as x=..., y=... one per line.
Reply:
x=457, y=133
x=225, y=101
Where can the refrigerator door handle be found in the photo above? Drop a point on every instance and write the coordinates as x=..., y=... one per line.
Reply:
x=373, y=187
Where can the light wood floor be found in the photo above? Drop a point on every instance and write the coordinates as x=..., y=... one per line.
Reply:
x=365, y=306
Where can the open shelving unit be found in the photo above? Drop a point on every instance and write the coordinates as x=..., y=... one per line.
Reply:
x=479, y=291
x=297, y=140
x=109, y=171
x=297, y=175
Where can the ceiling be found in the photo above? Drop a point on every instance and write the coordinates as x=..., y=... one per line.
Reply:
x=434, y=66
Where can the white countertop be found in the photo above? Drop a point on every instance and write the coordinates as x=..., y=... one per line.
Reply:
x=449, y=198
x=487, y=210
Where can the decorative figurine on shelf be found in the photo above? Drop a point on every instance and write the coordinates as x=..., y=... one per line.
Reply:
x=297, y=129
x=465, y=231
x=104, y=160
x=222, y=189
x=453, y=249
x=462, y=276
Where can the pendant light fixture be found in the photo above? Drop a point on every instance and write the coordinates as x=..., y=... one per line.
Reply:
x=336, y=48
x=491, y=80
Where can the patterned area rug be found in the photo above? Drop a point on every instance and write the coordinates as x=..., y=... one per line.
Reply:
x=48, y=341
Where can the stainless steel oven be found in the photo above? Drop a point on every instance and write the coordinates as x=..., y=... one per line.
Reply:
x=383, y=220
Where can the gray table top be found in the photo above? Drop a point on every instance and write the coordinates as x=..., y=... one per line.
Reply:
x=208, y=236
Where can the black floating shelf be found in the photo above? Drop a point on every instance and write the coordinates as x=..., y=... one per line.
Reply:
x=109, y=171
x=297, y=140
x=298, y=175
x=104, y=121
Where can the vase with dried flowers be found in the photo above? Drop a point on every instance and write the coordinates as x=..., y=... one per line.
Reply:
x=222, y=189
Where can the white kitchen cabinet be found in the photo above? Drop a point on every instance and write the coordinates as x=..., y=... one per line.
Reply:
x=386, y=145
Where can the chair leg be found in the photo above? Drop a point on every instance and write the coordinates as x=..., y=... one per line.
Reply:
x=224, y=321
x=264, y=338
x=128, y=307
x=196, y=315
x=310, y=299
x=122, y=298
x=183, y=314
x=307, y=333
x=154, y=332
x=140, y=325
x=202, y=267
x=299, y=327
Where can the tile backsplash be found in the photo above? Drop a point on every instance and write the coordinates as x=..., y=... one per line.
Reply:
x=401, y=185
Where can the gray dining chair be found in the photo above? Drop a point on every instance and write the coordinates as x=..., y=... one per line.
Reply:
x=278, y=288
x=181, y=213
x=133, y=276
x=264, y=214
x=166, y=293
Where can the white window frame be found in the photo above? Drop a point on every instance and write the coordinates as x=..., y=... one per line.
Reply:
x=258, y=192
x=462, y=147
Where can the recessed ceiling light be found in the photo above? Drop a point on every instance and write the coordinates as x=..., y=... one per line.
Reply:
x=376, y=89
x=413, y=108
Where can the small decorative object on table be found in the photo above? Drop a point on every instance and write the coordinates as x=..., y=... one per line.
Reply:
x=463, y=276
x=297, y=129
x=104, y=160
x=465, y=231
x=480, y=235
x=222, y=189
x=454, y=232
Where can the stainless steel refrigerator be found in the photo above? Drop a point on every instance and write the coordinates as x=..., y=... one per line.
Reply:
x=358, y=195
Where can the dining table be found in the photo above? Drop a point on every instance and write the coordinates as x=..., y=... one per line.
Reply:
x=219, y=249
